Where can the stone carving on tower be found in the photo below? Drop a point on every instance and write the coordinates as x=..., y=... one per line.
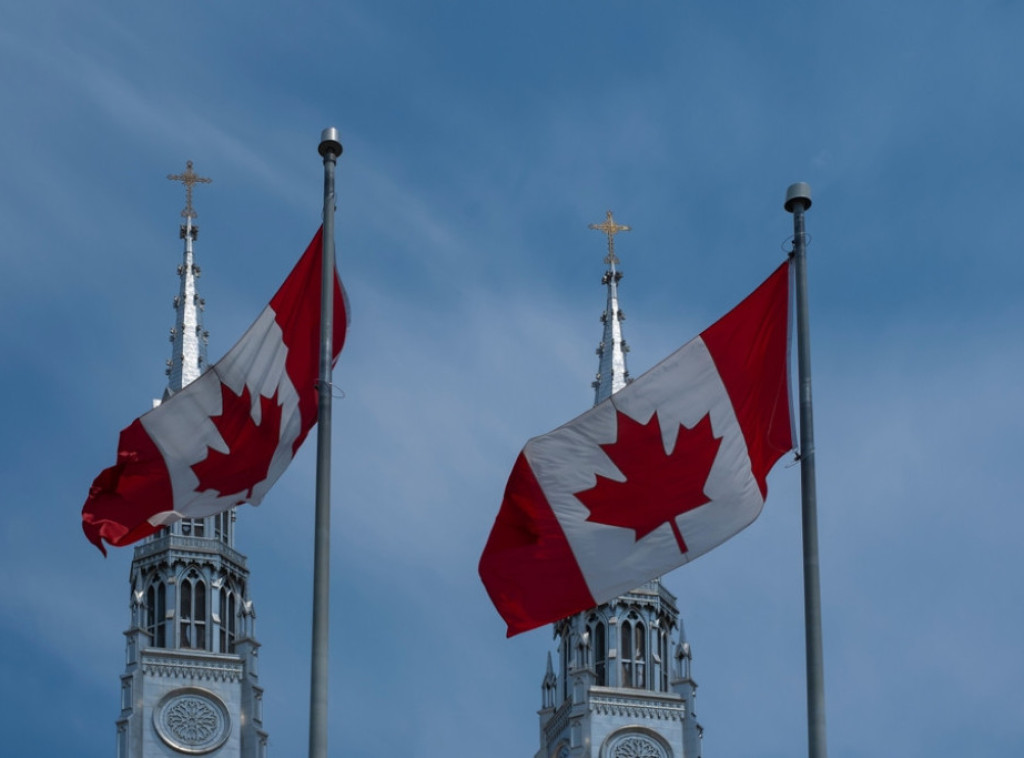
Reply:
x=191, y=679
x=623, y=688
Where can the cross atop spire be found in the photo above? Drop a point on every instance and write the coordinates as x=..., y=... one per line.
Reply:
x=612, y=374
x=190, y=178
x=610, y=228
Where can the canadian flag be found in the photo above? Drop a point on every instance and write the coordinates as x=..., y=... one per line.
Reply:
x=226, y=437
x=661, y=472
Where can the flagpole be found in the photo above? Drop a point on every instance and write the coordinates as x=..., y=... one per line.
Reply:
x=798, y=200
x=330, y=150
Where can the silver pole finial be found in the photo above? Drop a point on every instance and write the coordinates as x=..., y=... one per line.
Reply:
x=330, y=142
x=799, y=192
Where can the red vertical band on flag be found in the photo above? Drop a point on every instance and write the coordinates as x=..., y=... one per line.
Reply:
x=138, y=483
x=527, y=565
x=749, y=346
x=296, y=307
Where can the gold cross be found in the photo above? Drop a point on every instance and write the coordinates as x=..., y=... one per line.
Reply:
x=190, y=178
x=610, y=228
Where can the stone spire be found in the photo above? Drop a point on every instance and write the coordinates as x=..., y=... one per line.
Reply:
x=188, y=354
x=612, y=374
x=191, y=679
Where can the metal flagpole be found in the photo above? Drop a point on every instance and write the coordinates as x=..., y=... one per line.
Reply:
x=798, y=200
x=330, y=149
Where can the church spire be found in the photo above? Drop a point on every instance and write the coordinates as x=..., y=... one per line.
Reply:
x=612, y=374
x=191, y=682
x=188, y=354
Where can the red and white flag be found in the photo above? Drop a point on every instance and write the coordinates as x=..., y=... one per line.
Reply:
x=225, y=438
x=661, y=472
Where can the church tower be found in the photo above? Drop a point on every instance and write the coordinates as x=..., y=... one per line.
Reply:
x=191, y=682
x=623, y=688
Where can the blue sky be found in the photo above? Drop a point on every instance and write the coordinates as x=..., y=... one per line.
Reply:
x=480, y=141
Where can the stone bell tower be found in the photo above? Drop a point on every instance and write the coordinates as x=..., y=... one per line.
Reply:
x=191, y=679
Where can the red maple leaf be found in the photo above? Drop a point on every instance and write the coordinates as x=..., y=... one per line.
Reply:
x=658, y=486
x=251, y=446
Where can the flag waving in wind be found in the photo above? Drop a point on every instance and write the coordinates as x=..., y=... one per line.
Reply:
x=225, y=438
x=661, y=472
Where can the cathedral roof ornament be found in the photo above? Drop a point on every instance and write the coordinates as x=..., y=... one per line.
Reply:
x=610, y=228
x=190, y=178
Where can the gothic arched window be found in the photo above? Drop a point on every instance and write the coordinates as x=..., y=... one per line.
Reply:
x=627, y=657
x=600, y=654
x=228, y=613
x=192, y=613
x=156, y=614
x=565, y=665
x=640, y=657
x=634, y=652
x=662, y=633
